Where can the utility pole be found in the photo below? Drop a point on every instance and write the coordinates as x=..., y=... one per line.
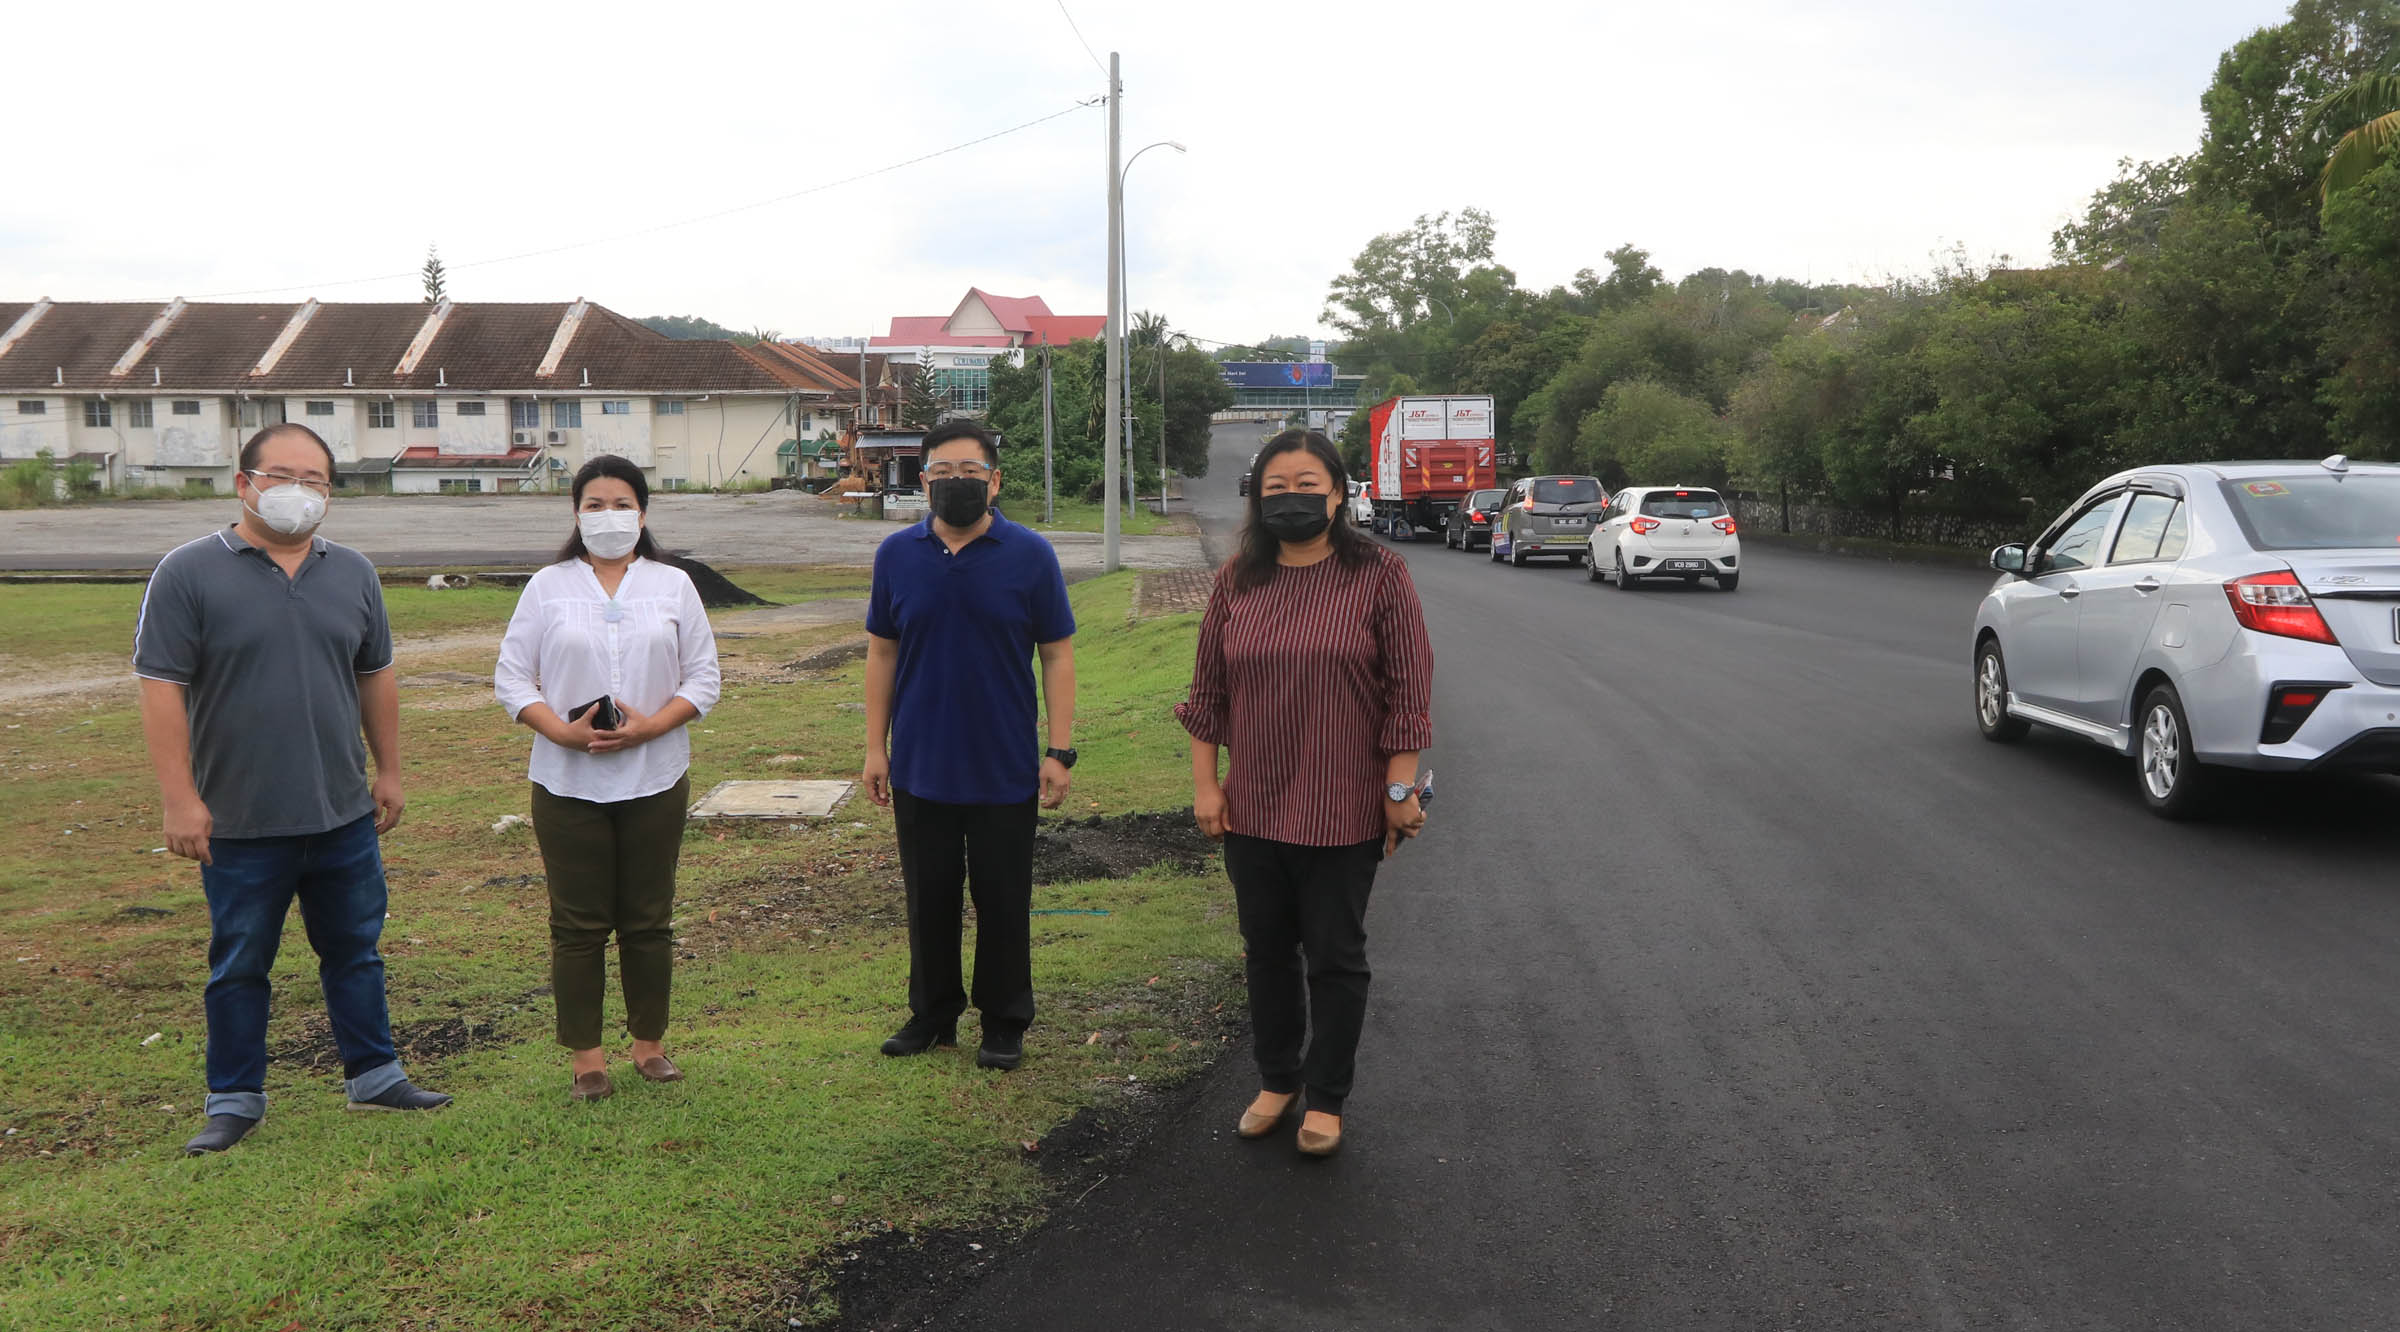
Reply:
x=1049, y=485
x=1162, y=423
x=1114, y=423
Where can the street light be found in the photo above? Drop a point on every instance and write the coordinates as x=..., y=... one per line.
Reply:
x=1124, y=361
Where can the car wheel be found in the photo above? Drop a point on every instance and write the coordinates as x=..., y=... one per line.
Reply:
x=1728, y=582
x=1591, y=569
x=1991, y=697
x=1624, y=579
x=2173, y=783
x=1493, y=549
x=1516, y=556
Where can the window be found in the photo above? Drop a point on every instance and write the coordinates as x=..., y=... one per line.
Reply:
x=32, y=407
x=424, y=413
x=2317, y=512
x=470, y=409
x=2078, y=545
x=2144, y=536
x=139, y=415
x=95, y=412
x=668, y=407
x=524, y=414
x=186, y=407
x=458, y=486
x=616, y=407
x=1683, y=504
x=319, y=408
x=380, y=415
x=567, y=414
x=1566, y=490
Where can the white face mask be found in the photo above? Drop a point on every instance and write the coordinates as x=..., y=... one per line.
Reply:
x=610, y=534
x=290, y=509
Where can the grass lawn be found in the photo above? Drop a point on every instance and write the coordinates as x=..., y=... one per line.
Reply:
x=1076, y=515
x=701, y=1204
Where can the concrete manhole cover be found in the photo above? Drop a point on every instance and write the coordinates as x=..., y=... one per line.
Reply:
x=772, y=800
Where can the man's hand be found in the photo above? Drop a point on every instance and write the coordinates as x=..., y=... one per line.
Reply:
x=389, y=802
x=876, y=776
x=1055, y=781
x=188, y=827
x=1208, y=808
x=1401, y=820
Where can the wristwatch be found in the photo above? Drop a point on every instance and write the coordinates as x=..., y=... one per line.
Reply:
x=1399, y=792
x=1065, y=757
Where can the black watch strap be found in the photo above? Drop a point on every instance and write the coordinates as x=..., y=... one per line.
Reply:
x=1065, y=757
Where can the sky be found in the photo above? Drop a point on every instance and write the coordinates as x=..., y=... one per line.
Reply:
x=715, y=158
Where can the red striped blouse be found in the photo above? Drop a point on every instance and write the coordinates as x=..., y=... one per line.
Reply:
x=1313, y=680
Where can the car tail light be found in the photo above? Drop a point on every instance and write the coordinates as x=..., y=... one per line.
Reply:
x=1727, y=525
x=2288, y=708
x=2275, y=603
x=1643, y=526
x=1479, y=516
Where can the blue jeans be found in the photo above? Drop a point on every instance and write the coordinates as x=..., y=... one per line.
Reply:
x=338, y=878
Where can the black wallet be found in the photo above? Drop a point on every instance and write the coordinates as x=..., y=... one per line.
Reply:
x=605, y=716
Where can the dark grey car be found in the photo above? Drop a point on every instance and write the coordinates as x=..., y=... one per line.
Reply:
x=1470, y=524
x=1548, y=516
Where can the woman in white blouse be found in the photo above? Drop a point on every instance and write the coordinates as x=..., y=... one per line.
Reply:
x=608, y=657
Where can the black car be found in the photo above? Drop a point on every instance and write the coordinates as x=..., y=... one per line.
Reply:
x=1470, y=524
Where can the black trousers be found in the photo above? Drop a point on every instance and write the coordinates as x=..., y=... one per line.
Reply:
x=1303, y=912
x=946, y=853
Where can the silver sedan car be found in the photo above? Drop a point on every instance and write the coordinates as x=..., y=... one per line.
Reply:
x=2236, y=615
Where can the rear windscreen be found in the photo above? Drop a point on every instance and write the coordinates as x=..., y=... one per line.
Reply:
x=1566, y=490
x=1683, y=504
x=2317, y=511
x=1484, y=499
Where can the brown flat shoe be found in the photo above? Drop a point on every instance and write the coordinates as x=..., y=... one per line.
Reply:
x=659, y=1068
x=1256, y=1124
x=1313, y=1143
x=591, y=1087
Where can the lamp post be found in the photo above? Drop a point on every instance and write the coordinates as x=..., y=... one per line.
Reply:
x=1125, y=362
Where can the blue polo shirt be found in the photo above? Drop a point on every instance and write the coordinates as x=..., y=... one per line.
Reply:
x=965, y=728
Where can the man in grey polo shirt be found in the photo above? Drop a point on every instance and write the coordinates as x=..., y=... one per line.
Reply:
x=262, y=651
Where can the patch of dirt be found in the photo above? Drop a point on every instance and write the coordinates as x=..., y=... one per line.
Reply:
x=716, y=590
x=1113, y=846
x=415, y=1042
x=833, y=658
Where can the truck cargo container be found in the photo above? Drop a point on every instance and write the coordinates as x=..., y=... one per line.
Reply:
x=1427, y=453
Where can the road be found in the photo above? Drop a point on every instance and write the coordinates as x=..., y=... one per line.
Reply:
x=780, y=527
x=1737, y=984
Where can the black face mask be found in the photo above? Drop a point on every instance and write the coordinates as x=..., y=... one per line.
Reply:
x=958, y=500
x=1294, y=516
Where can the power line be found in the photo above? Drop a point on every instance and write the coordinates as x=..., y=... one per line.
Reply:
x=668, y=226
x=1087, y=46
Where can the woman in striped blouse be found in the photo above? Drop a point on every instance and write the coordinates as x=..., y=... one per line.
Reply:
x=1315, y=671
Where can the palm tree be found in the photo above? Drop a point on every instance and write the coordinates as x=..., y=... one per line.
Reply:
x=2372, y=107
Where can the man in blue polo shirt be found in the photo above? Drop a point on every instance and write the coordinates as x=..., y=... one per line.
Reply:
x=962, y=604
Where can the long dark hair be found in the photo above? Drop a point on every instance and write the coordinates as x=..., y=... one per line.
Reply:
x=1256, y=561
x=616, y=468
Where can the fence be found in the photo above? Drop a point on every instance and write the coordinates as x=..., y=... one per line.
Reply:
x=1932, y=527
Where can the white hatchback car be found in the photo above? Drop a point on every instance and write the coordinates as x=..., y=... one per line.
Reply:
x=1681, y=532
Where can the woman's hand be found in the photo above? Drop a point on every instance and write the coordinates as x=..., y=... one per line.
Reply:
x=1401, y=820
x=1208, y=807
x=633, y=728
x=576, y=735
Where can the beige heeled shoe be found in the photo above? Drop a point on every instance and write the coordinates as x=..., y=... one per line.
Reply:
x=1314, y=1143
x=1256, y=1124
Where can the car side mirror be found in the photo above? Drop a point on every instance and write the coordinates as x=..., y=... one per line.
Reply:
x=2012, y=558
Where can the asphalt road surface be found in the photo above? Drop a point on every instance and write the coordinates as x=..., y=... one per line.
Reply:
x=1737, y=984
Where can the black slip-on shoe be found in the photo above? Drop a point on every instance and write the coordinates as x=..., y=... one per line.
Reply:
x=222, y=1132
x=1001, y=1050
x=919, y=1036
x=403, y=1095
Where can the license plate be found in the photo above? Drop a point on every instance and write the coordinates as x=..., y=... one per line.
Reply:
x=1567, y=522
x=1687, y=564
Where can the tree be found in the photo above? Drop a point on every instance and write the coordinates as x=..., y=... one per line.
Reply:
x=2126, y=216
x=435, y=277
x=920, y=403
x=2261, y=148
x=2376, y=99
x=686, y=327
x=2362, y=232
x=1646, y=433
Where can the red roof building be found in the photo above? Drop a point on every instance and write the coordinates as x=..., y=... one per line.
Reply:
x=957, y=348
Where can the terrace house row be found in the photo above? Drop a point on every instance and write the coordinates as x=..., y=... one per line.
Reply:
x=454, y=396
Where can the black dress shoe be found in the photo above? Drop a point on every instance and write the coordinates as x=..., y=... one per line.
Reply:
x=1001, y=1049
x=222, y=1132
x=919, y=1036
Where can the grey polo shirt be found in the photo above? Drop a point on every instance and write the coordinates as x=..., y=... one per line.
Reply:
x=270, y=668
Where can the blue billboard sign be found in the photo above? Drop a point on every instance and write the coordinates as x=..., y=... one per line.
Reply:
x=1278, y=374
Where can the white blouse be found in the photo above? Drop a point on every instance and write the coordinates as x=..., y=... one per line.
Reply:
x=570, y=642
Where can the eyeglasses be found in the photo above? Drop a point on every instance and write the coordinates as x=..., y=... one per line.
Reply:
x=972, y=471
x=265, y=480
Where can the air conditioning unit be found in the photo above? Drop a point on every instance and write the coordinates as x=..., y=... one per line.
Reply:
x=558, y=436
x=521, y=438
